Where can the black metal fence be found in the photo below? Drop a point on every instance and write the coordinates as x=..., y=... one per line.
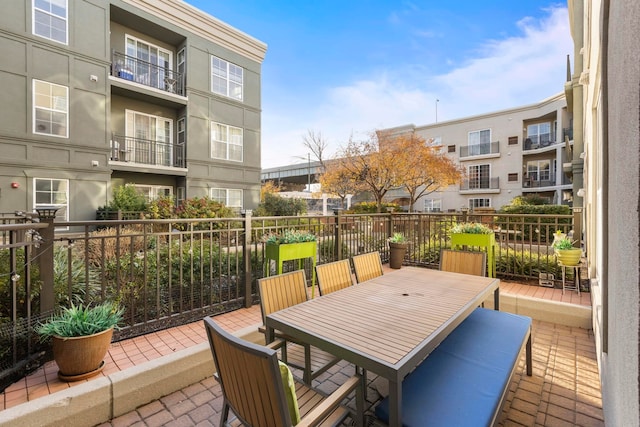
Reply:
x=170, y=272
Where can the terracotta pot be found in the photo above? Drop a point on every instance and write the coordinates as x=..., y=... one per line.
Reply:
x=81, y=357
x=396, y=254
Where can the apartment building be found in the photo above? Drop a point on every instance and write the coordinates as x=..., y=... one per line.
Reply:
x=97, y=94
x=519, y=151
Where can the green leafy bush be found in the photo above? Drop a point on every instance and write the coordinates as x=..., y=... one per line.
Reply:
x=372, y=207
x=471, y=228
x=289, y=236
x=275, y=205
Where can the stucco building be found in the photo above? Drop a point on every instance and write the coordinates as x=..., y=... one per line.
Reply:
x=99, y=94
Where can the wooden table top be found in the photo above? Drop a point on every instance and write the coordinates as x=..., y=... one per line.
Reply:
x=388, y=324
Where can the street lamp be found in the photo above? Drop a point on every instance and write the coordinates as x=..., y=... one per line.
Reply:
x=437, y=100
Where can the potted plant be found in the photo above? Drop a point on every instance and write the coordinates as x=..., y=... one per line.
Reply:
x=81, y=335
x=476, y=234
x=291, y=245
x=565, y=251
x=397, y=250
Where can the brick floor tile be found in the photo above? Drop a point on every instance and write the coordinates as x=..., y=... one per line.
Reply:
x=183, y=421
x=126, y=420
x=203, y=412
x=180, y=408
x=150, y=409
x=159, y=419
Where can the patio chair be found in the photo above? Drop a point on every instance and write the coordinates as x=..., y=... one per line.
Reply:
x=334, y=276
x=367, y=266
x=466, y=262
x=260, y=394
x=282, y=291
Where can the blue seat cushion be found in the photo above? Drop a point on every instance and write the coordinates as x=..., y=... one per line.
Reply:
x=461, y=383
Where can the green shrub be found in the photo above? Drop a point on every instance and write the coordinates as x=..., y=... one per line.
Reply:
x=372, y=207
x=275, y=205
x=127, y=198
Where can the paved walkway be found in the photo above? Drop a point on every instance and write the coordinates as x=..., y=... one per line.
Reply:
x=563, y=391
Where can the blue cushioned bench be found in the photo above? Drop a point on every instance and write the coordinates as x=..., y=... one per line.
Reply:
x=464, y=381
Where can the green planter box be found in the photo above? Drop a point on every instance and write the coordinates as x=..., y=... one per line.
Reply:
x=292, y=251
x=486, y=242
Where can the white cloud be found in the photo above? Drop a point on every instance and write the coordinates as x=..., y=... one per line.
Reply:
x=502, y=74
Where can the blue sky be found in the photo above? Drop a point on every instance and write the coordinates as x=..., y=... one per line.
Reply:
x=344, y=68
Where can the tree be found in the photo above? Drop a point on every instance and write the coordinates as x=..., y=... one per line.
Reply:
x=373, y=162
x=339, y=181
x=422, y=168
x=316, y=144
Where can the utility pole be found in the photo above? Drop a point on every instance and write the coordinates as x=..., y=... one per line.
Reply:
x=437, y=100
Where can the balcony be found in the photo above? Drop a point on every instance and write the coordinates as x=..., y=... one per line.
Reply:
x=147, y=74
x=484, y=149
x=567, y=133
x=147, y=152
x=536, y=142
x=480, y=185
x=534, y=182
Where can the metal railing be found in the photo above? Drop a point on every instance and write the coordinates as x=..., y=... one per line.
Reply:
x=533, y=142
x=147, y=152
x=170, y=272
x=480, y=184
x=480, y=149
x=146, y=73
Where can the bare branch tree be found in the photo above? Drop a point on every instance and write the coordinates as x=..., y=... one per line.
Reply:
x=316, y=144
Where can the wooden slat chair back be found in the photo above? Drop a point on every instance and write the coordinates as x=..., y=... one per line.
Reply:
x=466, y=262
x=334, y=276
x=281, y=291
x=367, y=266
x=253, y=389
x=286, y=290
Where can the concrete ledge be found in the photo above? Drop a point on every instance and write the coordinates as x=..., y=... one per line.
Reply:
x=545, y=310
x=83, y=405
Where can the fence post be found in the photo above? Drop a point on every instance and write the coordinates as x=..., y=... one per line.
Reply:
x=246, y=256
x=577, y=224
x=45, y=258
x=337, y=244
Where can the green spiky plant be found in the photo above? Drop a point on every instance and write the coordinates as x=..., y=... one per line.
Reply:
x=81, y=320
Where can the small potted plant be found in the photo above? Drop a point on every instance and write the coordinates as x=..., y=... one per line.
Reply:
x=565, y=251
x=397, y=250
x=81, y=335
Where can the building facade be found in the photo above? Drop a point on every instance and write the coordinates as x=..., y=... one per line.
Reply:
x=504, y=154
x=99, y=94
x=606, y=103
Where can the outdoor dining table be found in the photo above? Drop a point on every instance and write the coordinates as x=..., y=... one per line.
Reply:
x=389, y=324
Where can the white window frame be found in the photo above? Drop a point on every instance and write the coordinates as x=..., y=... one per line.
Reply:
x=533, y=132
x=479, y=202
x=157, y=149
x=432, y=205
x=228, y=199
x=479, y=180
x=227, y=79
x=41, y=14
x=476, y=139
x=535, y=168
x=155, y=76
x=56, y=198
x=227, y=139
x=49, y=101
x=152, y=192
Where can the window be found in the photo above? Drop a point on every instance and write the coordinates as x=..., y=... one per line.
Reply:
x=479, y=142
x=513, y=140
x=152, y=192
x=512, y=177
x=148, y=139
x=181, y=194
x=479, y=176
x=539, y=133
x=432, y=205
x=229, y=197
x=50, y=19
x=52, y=192
x=50, y=109
x=479, y=203
x=226, y=78
x=148, y=63
x=451, y=149
x=226, y=142
x=539, y=170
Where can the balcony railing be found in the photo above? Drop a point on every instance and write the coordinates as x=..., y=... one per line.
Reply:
x=147, y=152
x=533, y=142
x=532, y=182
x=148, y=74
x=480, y=149
x=480, y=184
